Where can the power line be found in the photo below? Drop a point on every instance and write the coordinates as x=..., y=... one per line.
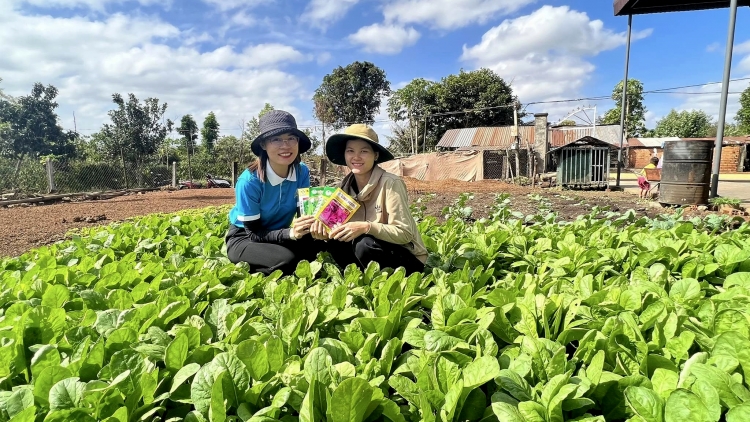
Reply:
x=572, y=100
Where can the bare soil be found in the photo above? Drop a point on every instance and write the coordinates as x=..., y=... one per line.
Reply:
x=25, y=227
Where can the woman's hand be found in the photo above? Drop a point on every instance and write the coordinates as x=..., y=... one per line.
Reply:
x=301, y=226
x=350, y=231
x=318, y=231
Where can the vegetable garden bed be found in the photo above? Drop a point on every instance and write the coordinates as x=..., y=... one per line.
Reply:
x=520, y=319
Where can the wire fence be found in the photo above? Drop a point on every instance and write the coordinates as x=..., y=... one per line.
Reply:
x=35, y=177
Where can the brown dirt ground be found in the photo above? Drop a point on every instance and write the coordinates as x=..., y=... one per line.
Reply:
x=25, y=227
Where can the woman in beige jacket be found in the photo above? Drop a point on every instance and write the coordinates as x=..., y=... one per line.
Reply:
x=382, y=229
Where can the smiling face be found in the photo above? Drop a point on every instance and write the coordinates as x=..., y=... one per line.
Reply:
x=282, y=149
x=360, y=156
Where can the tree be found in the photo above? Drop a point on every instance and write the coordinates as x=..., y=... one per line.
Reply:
x=730, y=129
x=210, y=131
x=467, y=99
x=635, y=111
x=411, y=104
x=684, y=124
x=31, y=127
x=567, y=123
x=352, y=94
x=252, y=129
x=743, y=114
x=189, y=131
x=3, y=95
x=137, y=130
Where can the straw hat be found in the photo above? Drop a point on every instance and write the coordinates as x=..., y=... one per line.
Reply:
x=337, y=144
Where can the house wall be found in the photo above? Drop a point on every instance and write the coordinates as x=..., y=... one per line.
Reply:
x=730, y=158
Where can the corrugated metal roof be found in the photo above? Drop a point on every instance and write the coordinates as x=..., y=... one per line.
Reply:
x=564, y=135
x=448, y=138
x=465, y=137
x=492, y=137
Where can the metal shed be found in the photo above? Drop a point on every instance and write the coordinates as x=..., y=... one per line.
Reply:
x=583, y=163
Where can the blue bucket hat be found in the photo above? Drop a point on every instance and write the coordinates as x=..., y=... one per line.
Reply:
x=275, y=123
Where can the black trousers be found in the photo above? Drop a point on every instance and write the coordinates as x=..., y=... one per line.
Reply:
x=269, y=257
x=366, y=248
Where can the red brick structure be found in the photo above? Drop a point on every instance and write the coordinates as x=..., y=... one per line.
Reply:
x=733, y=154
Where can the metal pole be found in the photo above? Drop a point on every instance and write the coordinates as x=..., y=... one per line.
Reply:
x=723, y=103
x=624, y=97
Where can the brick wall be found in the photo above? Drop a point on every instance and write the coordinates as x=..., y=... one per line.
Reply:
x=638, y=158
x=730, y=156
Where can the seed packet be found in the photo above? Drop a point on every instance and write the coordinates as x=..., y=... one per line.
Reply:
x=303, y=196
x=337, y=209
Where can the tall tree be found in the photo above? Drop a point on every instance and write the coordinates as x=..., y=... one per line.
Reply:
x=252, y=129
x=3, y=95
x=684, y=124
x=189, y=131
x=467, y=99
x=31, y=127
x=137, y=130
x=353, y=94
x=635, y=111
x=411, y=104
x=210, y=131
x=743, y=114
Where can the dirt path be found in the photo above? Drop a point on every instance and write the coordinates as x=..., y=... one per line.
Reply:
x=23, y=228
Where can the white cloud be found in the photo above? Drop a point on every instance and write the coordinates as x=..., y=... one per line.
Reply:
x=321, y=13
x=225, y=5
x=450, y=14
x=89, y=60
x=713, y=47
x=324, y=57
x=743, y=48
x=98, y=5
x=710, y=98
x=545, y=53
x=384, y=39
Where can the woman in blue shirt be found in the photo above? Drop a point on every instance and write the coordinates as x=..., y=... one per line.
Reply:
x=260, y=230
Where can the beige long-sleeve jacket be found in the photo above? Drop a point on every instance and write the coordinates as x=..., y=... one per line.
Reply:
x=384, y=203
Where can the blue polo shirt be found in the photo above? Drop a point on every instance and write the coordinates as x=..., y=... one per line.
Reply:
x=274, y=202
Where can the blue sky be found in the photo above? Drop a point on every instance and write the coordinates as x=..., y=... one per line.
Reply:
x=232, y=56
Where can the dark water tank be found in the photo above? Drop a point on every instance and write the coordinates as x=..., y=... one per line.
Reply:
x=686, y=172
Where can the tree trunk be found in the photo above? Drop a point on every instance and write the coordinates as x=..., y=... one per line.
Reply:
x=17, y=171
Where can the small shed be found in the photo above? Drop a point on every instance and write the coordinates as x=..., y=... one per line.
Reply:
x=583, y=163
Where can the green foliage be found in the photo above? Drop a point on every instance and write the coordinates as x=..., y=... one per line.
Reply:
x=724, y=201
x=743, y=114
x=635, y=116
x=518, y=318
x=210, y=131
x=684, y=124
x=411, y=104
x=189, y=130
x=444, y=102
x=30, y=126
x=351, y=94
x=136, y=131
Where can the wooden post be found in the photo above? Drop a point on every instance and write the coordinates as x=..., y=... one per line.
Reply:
x=51, y=176
x=174, y=174
x=235, y=169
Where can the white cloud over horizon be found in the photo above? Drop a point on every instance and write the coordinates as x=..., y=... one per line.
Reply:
x=546, y=54
x=89, y=59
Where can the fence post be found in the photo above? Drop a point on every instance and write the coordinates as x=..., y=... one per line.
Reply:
x=235, y=168
x=174, y=174
x=51, y=176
